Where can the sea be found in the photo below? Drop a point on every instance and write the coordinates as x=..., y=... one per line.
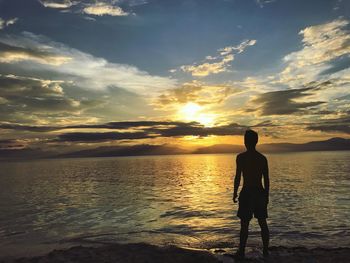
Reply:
x=183, y=200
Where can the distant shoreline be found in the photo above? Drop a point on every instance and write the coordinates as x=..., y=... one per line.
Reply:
x=333, y=144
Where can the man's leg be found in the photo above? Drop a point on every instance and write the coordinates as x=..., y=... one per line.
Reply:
x=265, y=234
x=243, y=235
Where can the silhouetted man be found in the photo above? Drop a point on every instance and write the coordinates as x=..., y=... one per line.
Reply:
x=253, y=198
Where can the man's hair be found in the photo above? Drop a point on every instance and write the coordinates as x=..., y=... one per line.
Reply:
x=251, y=138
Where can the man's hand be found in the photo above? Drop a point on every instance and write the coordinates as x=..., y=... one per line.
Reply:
x=234, y=198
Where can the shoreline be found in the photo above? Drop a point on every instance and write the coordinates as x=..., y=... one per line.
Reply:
x=144, y=252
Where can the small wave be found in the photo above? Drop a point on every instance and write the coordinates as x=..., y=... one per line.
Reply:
x=185, y=214
x=13, y=233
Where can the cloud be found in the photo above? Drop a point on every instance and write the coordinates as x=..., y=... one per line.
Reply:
x=342, y=128
x=25, y=100
x=239, y=49
x=11, y=21
x=171, y=129
x=345, y=97
x=195, y=129
x=28, y=98
x=131, y=130
x=12, y=54
x=101, y=136
x=337, y=65
x=206, y=68
x=324, y=56
x=284, y=102
x=6, y=23
x=98, y=8
x=120, y=125
x=339, y=4
x=79, y=68
x=101, y=9
x=340, y=125
x=13, y=85
x=12, y=144
x=197, y=92
x=30, y=128
x=322, y=45
x=137, y=2
x=312, y=80
x=225, y=56
x=59, y=4
x=262, y=3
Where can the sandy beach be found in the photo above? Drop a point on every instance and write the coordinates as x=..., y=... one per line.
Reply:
x=142, y=253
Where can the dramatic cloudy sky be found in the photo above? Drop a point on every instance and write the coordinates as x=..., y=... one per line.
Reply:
x=81, y=73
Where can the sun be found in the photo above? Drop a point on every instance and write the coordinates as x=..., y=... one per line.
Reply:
x=191, y=109
x=194, y=112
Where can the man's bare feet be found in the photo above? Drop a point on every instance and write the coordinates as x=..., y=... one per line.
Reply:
x=266, y=252
x=239, y=254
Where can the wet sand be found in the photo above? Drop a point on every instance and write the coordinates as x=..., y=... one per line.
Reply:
x=146, y=253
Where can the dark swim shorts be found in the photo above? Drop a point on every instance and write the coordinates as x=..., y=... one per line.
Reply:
x=252, y=202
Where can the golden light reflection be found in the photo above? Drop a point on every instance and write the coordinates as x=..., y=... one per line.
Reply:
x=206, y=189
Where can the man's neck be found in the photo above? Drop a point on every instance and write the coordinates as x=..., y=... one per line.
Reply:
x=251, y=149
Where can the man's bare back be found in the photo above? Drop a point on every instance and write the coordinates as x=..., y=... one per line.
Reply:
x=253, y=166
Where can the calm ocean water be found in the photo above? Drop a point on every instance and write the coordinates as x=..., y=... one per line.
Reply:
x=184, y=200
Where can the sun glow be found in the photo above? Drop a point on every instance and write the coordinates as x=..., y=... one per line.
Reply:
x=194, y=112
x=191, y=109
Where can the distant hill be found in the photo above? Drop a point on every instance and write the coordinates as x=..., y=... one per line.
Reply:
x=25, y=153
x=220, y=148
x=333, y=144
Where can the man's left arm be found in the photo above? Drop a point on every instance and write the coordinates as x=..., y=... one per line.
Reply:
x=237, y=179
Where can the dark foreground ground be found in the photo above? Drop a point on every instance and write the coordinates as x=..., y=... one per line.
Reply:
x=145, y=253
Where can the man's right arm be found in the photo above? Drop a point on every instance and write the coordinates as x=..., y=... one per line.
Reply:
x=237, y=179
x=266, y=179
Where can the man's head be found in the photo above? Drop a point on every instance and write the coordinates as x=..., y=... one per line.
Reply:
x=250, y=139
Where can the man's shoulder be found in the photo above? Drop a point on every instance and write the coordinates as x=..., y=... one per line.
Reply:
x=263, y=157
x=240, y=155
x=243, y=155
